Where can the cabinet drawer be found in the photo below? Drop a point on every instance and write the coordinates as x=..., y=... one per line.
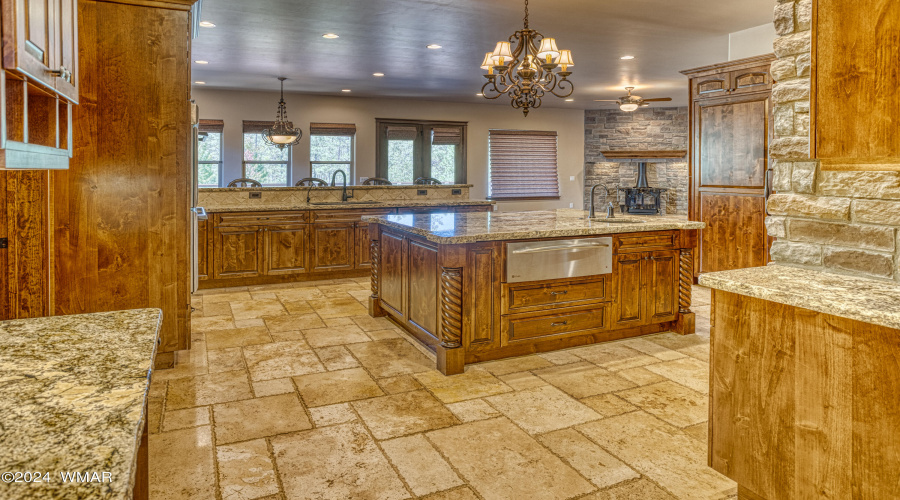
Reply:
x=645, y=241
x=262, y=218
x=521, y=328
x=348, y=215
x=522, y=297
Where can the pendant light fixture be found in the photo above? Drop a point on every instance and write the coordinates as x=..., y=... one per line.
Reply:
x=528, y=71
x=282, y=133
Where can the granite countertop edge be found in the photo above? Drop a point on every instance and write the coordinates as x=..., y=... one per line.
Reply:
x=349, y=186
x=856, y=298
x=386, y=204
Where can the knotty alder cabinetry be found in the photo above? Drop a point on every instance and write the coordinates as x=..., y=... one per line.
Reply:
x=731, y=125
x=250, y=248
x=455, y=299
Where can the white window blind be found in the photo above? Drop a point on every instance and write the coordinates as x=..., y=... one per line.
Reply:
x=523, y=164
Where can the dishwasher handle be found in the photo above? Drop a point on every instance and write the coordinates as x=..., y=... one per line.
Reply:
x=559, y=247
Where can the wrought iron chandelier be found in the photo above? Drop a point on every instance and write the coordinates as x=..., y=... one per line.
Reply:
x=527, y=72
x=283, y=133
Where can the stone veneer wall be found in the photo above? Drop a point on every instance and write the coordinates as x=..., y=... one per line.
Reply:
x=651, y=128
x=842, y=222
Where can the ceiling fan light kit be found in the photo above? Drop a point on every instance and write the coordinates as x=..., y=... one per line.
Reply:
x=282, y=133
x=528, y=71
x=629, y=103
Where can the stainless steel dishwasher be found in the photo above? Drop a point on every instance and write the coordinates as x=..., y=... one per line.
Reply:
x=558, y=259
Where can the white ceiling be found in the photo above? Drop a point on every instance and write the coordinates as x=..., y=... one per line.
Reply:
x=256, y=41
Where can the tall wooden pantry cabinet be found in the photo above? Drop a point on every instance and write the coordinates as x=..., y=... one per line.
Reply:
x=731, y=127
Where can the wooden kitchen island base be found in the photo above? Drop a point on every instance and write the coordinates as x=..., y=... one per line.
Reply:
x=455, y=298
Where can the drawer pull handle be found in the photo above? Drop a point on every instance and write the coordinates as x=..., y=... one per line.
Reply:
x=262, y=218
x=561, y=323
x=559, y=293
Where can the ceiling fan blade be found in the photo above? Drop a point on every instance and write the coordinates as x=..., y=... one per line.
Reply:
x=606, y=100
x=658, y=99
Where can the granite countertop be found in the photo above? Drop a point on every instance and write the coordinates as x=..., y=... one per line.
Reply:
x=862, y=299
x=72, y=393
x=349, y=186
x=493, y=226
x=348, y=206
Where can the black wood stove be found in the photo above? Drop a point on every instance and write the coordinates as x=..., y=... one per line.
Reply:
x=641, y=199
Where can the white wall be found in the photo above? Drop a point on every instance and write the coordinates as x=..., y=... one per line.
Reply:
x=235, y=106
x=751, y=42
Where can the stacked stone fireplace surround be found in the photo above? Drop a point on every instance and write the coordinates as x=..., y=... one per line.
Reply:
x=652, y=128
x=834, y=221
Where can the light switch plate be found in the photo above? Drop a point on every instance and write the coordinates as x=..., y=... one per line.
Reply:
x=571, y=205
x=571, y=177
x=255, y=195
x=422, y=192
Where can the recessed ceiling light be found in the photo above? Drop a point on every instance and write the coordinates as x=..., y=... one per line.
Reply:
x=330, y=36
x=202, y=62
x=207, y=24
x=345, y=90
x=377, y=74
x=569, y=100
x=627, y=57
x=433, y=46
x=200, y=83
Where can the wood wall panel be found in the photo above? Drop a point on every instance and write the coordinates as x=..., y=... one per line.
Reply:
x=803, y=404
x=857, y=75
x=122, y=209
x=735, y=236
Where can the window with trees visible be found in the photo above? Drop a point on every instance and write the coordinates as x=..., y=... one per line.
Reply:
x=331, y=148
x=209, y=153
x=523, y=165
x=263, y=162
x=407, y=150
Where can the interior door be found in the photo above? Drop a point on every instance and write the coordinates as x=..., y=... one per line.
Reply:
x=731, y=175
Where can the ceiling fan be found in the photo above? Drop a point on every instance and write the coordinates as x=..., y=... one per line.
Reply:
x=632, y=102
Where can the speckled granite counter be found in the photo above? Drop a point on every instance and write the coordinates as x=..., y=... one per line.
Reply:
x=72, y=393
x=342, y=206
x=493, y=226
x=861, y=299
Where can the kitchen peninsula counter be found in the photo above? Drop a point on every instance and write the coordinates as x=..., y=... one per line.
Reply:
x=73, y=393
x=446, y=279
x=336, y=205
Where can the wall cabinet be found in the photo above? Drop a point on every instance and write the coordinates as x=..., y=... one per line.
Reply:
x=647, y=290
x=731, y=126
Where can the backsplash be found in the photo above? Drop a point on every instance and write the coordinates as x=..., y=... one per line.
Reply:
x=835, y=221
x=651, y=128
x=295, y=196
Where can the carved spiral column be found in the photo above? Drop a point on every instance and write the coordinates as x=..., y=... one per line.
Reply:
x=375, y=257
x=451, y=307
x=685, y=280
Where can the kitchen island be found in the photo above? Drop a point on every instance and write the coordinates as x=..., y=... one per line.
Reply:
x=73, y=399
x=480, y=286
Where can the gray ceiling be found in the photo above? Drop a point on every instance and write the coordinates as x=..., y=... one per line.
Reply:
x=255, y=41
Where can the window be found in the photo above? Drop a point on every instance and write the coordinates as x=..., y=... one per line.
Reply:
x=264, y=162
x=331, y=149
x=523, y=165
x=410, y=149
x=209, y=153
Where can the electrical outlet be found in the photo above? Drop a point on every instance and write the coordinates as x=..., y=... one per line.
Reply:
x=422, y=192
x=456, y=191
x=255, y=195
x=496, y=208
x=4, y=243
x=571, y=205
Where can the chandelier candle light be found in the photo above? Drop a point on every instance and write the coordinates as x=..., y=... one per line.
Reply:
x=527, y=72
x=282, y=133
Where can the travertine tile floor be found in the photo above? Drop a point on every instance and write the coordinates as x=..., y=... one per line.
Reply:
x=293, y=391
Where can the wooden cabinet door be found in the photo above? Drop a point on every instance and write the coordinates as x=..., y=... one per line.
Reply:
x=238, y=252
x=711, y=86
x=630, y=309
x=65, y=48
x=203, y=249
x=751, y=80
x=286, y=249
x=331, y=247
x=661, y=278
x=730, y=163
x=363, y=257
